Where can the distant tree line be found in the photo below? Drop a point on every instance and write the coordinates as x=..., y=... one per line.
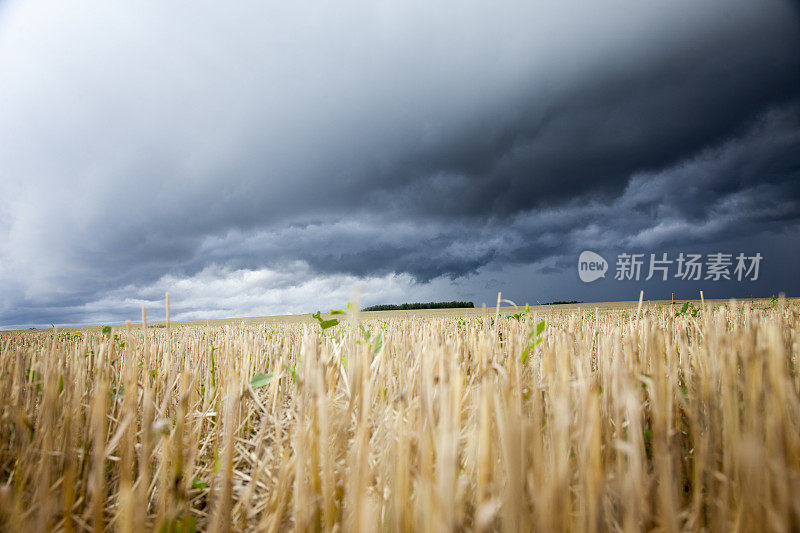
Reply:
x=428, y=305
x=559, y=302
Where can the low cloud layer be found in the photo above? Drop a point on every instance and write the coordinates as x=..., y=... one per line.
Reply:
x=265, y=159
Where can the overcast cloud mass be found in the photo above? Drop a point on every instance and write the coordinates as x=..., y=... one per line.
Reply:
x=258, y=158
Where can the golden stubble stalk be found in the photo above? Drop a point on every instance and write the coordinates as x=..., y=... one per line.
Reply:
x=99, y=434
x=127, y=468
x=221, y=516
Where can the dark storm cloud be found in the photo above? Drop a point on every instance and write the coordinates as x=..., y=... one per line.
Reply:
x=743, y=186
x=593, y=142
x=141, y=144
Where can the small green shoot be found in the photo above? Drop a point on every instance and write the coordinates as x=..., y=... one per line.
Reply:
x=260, y=379
x=292, y=372
x=773, y=301
x=213, y=369
x=519, y=317
x=375, y=343
x=688, y=309
x=534, y=340
x=325, y=324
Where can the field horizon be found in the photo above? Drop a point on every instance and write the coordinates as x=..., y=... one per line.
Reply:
x=474, y=311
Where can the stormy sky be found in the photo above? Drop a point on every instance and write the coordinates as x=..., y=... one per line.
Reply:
x=260, y=158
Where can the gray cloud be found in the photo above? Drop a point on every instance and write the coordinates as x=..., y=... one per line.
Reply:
x=144, y=145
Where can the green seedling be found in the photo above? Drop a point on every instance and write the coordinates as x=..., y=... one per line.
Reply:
x=534, y=339
x=213, y=369
x=260, y=379
x=325, y=324
x=519, y=317
x=773, y=302
x=35, y=377
x=688, y=309
x=375, y=343
x=292, y=372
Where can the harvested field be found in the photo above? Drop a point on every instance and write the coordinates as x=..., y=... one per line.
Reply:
x=588, y=418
